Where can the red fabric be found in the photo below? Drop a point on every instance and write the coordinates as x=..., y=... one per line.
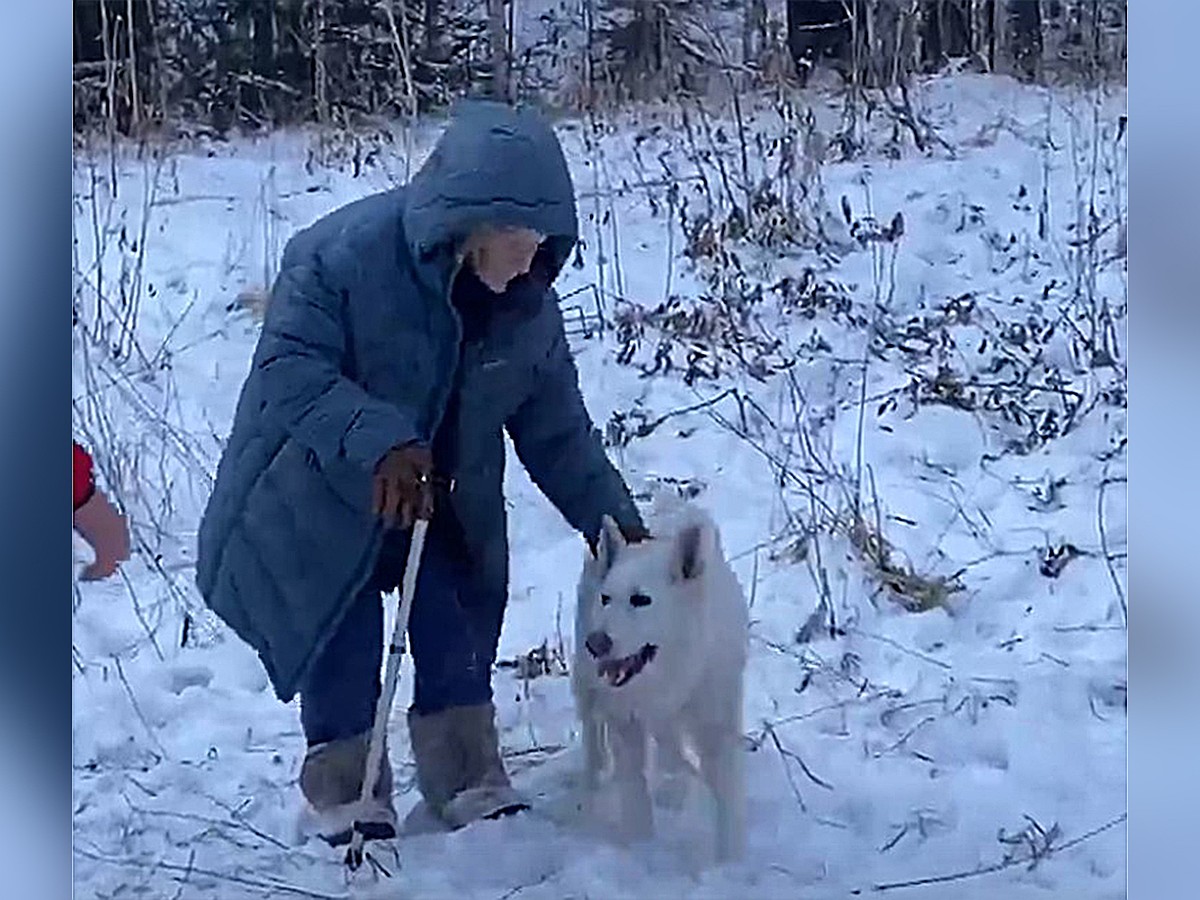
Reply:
x=83, y=480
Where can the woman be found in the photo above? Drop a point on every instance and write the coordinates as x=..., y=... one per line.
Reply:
x=405, y=333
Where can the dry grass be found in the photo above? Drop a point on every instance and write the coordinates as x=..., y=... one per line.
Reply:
x=913, y=591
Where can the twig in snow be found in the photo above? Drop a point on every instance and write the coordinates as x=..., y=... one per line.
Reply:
x=1006, y=863
x=512, y=892
x=1104, y=482
x=696, y=407
x=1056, y=660
x=209, y=820
x=787, y=770
x=913, y=653
x=818, y=570
x=186, y=875
x=904, y=737
x=761, y=545
x=182, y=442
x=161, y=354
x=894, y=840
x=784, y=472
x=267, y=885
x=1067, y=629
x=904, y=114
x=561, y=646
x=754, y=581
x=138, y=709
x=137, y=609
x=785, y=754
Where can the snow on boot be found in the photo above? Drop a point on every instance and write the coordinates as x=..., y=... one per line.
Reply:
x=421, y=819
x=459, y=771
x=331, y=781
x=487, y=793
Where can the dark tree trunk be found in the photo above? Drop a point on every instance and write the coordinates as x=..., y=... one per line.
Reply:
x=498, y=49
x=262, y=58
x=1025, y=28
x=433, y=16
x=945, y=31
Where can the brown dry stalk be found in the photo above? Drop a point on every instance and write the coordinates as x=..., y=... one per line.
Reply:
x=268, y=886
x=914, y=592
x=995, y=867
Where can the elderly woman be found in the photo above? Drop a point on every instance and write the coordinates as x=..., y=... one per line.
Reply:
x=404, y=334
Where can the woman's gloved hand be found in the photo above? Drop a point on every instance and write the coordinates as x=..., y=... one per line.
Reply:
x=633, y=534
x=404, y=485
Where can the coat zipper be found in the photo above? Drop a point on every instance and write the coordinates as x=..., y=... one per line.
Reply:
x=436, y=422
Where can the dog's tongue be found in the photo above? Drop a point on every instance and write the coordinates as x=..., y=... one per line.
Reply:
x=620, y=671
x=613, y=669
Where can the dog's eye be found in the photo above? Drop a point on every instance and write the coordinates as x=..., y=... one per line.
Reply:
x=639, y=600
x=605, y=599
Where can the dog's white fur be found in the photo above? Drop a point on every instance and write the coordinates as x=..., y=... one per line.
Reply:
x=689, y=696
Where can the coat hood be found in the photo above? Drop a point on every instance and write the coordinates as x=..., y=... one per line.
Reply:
x=494, y=164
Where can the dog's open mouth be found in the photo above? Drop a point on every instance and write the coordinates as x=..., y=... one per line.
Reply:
x=620, y=671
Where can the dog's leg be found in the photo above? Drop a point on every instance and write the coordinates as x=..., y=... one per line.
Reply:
x=674, y=768
x=593, y=743
x=591, y=727
x=721, y=765
x=628, y=741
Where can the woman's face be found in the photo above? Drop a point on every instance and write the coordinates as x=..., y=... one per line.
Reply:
x=498, y=255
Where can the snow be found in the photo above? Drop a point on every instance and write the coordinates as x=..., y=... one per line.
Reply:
x=899, y=749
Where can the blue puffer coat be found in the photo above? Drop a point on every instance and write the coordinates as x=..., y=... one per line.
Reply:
x=357, y=355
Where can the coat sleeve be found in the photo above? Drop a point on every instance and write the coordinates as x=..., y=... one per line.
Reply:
x=561, y=449
x=83, y=477
x=300, y=362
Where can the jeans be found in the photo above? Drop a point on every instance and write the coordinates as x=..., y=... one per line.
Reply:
x=453, y=632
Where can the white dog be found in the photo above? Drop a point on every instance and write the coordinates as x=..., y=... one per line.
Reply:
x=660, y=651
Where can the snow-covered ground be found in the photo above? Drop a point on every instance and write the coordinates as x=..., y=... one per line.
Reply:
x=884, y=746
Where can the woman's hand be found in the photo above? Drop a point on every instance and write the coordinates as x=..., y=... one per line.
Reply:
x=106, y=531
x=404, y=485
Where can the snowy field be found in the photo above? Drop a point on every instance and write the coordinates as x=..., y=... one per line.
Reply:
x=914, y=444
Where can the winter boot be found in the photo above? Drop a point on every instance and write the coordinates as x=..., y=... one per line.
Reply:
x=331, y=781
x=487, y=793
x=459, y=771
x=439, y=769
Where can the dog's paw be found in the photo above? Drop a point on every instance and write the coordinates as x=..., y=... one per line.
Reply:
x=730, y=849
x=635, y=810
x=584, y=781
x=633, y=831
x=671, y=793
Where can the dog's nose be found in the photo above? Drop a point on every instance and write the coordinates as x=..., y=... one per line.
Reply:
x=598, y=644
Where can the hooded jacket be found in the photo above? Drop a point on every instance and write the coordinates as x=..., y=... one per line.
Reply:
x=358, y=354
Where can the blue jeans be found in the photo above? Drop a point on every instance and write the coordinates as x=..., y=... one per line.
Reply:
x=453, y=632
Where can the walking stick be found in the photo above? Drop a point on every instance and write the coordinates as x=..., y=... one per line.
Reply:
x=383, y=708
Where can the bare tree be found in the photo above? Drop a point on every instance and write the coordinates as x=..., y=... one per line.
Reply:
x=498, y=45
x=211, y=66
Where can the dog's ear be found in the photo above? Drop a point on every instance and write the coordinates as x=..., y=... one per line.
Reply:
x=609, y=544
x=693, y=544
